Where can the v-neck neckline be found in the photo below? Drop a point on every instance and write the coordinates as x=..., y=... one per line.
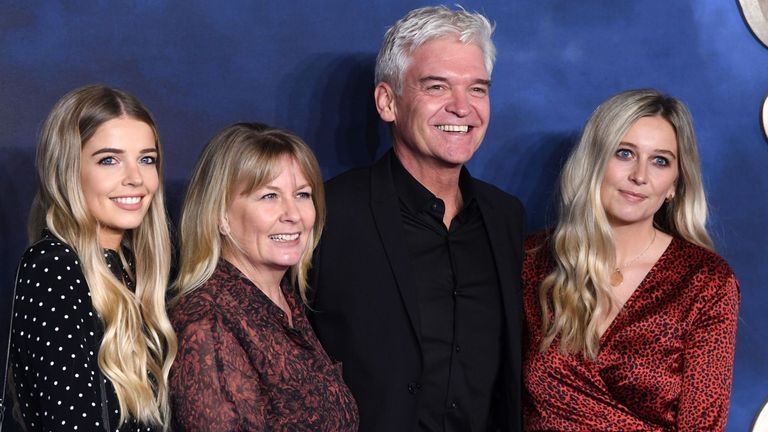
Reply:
x=639, y=291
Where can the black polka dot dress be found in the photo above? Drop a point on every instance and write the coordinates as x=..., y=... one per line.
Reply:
x=55, y=342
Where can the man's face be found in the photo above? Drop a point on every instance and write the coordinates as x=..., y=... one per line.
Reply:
x=442, y=113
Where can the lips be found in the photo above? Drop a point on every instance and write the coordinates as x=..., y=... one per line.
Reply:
x=128, y=202
x=454, y=128
x=633, y=196
x=284, y=237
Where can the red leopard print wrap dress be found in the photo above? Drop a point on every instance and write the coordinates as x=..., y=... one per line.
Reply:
x=665, y=362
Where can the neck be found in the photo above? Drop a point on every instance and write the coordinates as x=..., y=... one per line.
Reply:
x=109, y=240
x=631, y=240
x=440, y=179
x=267, y=280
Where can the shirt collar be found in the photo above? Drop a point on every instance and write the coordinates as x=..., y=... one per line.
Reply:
x=417, y=198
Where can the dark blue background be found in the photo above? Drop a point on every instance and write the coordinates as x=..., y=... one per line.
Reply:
x=308, y=66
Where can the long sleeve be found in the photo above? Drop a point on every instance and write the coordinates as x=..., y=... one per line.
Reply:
x=53, y=349
x=708, y=364
x=213, y=386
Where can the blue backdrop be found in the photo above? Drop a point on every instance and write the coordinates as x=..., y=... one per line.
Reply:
x=308, y=67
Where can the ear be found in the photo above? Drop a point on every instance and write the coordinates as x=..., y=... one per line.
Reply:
x=384, y=97
x=224, y=225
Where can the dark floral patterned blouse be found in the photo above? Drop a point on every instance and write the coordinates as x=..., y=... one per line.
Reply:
x=241, y=367
x=665, y=362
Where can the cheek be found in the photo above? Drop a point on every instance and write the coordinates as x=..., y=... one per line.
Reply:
x=92, y=188
x=152, y=180
x=308, y=214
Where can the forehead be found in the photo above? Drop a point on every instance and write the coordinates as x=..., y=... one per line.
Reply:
x=654, y=132
x=284, y=167
x=447, y=56
x=122, y=133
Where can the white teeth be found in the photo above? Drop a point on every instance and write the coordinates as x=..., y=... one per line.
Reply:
x=454, y=128
x=128, y=200
x=284, y=237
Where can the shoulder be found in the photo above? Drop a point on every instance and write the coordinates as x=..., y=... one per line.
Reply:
x=706, y=274
x=537, y=257
x=47, y=266
x=694, y=259
x=47, y=252
x=198, y=306
x=353, y=179
x=207, y=303
x=491, y=192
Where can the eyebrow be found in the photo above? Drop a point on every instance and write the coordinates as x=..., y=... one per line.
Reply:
x=306, y=185
x=121, y=151
x=485, y=82
x=667, y=152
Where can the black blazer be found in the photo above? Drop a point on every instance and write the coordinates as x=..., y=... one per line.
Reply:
x=365, y=304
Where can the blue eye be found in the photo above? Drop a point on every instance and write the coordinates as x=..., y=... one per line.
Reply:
x=661, y=161
x=269, y=196
x=304, y=195
x=109, y=160
x=148, y=160
x=624, y=154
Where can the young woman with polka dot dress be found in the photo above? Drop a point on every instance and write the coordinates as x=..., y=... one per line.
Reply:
x=91, y=345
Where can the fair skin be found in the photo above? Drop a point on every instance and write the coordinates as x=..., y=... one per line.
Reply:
x=268, y=230
x=440, y=116
x=639, y=177
x=118, y=176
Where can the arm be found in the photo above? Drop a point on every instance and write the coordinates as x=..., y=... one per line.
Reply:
x=213, y=386
x=709, y=352
x=53, y=347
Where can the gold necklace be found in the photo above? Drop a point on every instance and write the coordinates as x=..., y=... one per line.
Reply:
x=617, y=278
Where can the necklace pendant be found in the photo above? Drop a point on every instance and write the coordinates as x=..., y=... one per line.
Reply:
x=617, y=278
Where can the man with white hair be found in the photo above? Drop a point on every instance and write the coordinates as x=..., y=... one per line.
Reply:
x=417, y=278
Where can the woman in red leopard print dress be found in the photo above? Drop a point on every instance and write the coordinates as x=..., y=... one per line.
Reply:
x=631, y=317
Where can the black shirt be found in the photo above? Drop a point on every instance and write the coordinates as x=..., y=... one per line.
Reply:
x=459, y=304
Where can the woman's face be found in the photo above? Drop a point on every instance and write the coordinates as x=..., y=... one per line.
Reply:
x=271, y=225
x=118, y=174
x=641, y=174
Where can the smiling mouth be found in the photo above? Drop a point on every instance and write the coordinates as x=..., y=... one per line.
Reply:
x=284, y=237
x=454, y=128
x=127, y=200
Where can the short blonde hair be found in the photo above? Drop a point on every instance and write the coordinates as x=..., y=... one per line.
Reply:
x=248, y=156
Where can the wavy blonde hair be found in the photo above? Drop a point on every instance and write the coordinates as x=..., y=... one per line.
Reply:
x=577, y=292
x=249, y=155
x=138, y=344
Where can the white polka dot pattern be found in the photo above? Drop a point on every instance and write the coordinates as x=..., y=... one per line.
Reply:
x=54, y=345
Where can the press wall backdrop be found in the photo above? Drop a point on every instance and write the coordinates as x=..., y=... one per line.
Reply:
x=308, y=66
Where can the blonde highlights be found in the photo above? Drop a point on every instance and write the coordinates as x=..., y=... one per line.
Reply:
x=138, y=344
x=577, y=293
x=242, y=157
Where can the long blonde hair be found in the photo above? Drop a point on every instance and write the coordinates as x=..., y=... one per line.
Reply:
x=138, y=344
x=248, y=154
x=575, y=295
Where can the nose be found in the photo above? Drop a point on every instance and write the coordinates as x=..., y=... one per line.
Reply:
x=459, y=103
x=133, y=175
x=639, y=173
x=290, y=211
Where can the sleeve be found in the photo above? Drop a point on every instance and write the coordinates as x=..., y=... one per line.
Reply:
x=213, y=386
x=709, y=352
x=53, y=350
